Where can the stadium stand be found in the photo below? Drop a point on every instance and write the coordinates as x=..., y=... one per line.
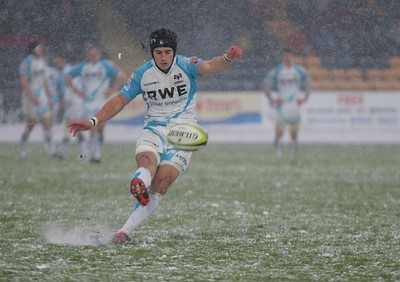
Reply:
x=343, y=44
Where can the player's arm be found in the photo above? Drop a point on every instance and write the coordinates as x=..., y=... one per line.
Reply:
x=48, y=94
x=307, y=90
x=28, y=90
x=267, y=89
x=268, y=92
x=220, y=63
x=108, y=111
x=70, y=84
x=118, y=83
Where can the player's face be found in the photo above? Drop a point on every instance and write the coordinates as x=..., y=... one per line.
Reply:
x=39, y=51
x=94, y=55
x=59, y=62
x=287, y=58
x=163, y=56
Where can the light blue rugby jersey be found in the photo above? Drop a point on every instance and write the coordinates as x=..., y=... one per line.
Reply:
x=169, y=97
x=95, y=78
x=287, y=82
x=35, y=70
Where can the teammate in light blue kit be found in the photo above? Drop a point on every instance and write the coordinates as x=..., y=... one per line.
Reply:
x=287, y=87
x=71, y=105
x=96, y=75
x=36, y=99
x=168, y=84
x=52, y=75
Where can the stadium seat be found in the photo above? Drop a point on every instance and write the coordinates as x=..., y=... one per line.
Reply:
x=377, y=84
x=337, y=74
x=394, y=62
x=325, y=84
x=389, y=74
x=358, y=84
x=374, y=74
x=299, y=61
x=341, y=84
x=313, y=62
x=318, y=74
x=393, y=84
x=353, y=74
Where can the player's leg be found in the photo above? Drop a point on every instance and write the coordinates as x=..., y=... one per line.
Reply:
x=156, y=175
x=82, y=140
x=47, y=123
x=294, y=129
x=74, y=111
x=30, y=124
x=63, y=148
x=31, y=117
x=279, y=130
x=96, y=141
x=149, y=147
x=165, y=177
x=64, y=141
x=147, y=159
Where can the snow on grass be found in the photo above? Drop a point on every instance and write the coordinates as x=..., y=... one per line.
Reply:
x=237, y=214
x=77, y=236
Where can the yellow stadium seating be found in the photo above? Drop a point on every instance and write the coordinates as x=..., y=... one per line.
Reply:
x=313, y=62
x=353, y=74
x=394, y=62
x=374, y=74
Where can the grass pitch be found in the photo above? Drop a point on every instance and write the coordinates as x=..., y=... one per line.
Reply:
x=236, y=214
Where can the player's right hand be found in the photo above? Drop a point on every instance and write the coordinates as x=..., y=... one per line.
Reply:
x=79, y=125
x=234, y=53
x=34, y=100
x=80, y=94
x=276, y=101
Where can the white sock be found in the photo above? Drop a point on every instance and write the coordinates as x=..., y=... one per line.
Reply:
x=143, y=174
x=141, y=213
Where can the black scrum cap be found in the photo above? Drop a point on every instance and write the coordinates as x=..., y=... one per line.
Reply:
x=32, y=46
x=163, y=38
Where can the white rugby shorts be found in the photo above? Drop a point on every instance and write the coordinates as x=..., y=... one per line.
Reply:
x=154, y=139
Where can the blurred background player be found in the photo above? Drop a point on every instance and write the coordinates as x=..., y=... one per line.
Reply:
x=96, y=75
x=61, y=67
x=71, y=107
x=52, y=74
x=287, y=87
x=168, y=84
x=36, y=99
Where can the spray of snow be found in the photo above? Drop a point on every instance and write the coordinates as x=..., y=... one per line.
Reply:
x=77, y=236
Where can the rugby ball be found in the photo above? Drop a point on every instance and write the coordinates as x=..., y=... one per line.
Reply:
x=187, y=137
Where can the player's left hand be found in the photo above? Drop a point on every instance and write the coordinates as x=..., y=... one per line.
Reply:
x=301, y=101
x=79, y=125
x=234, y=53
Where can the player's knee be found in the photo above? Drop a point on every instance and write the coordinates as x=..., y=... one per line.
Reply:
x=147, y=155
x=30, y=123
